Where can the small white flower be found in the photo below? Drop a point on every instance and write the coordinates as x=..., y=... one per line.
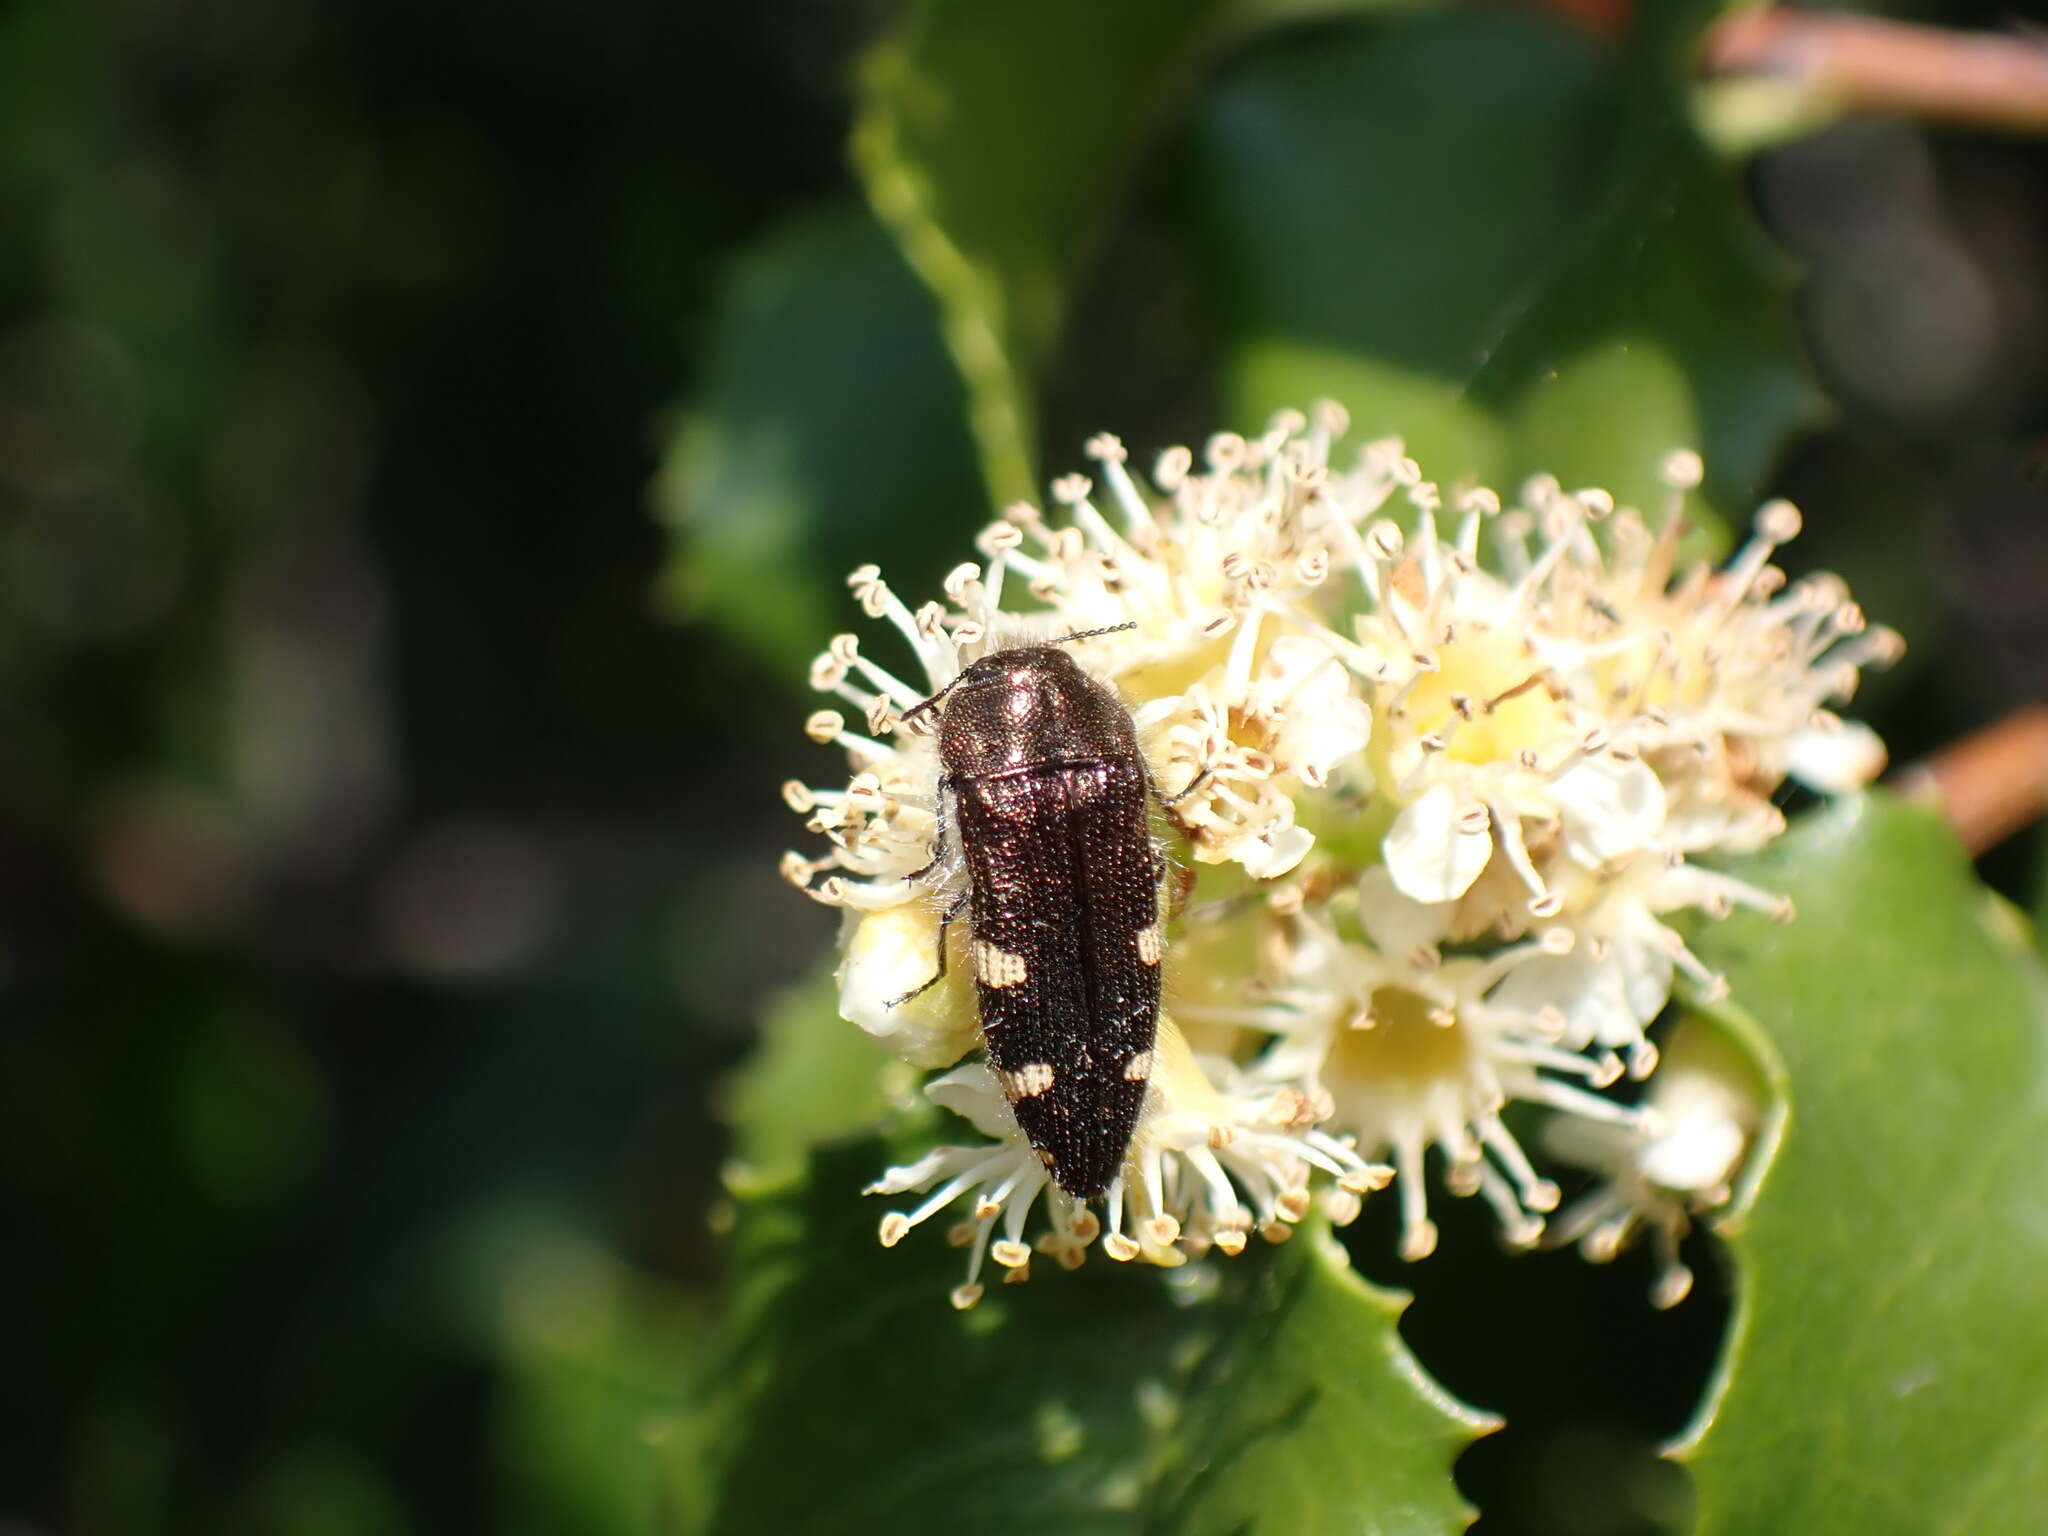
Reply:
x=1207, y=1167
x=1580, y=701
x=1229, y=796
x=1618, y=977
x=1675, y=1163
x=1302, y=702
x=1411, y=1050
x=1220, y=1155
x=1747, y=667
x=1003, y=1179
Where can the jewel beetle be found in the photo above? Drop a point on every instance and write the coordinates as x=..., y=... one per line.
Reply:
x=1044, y=784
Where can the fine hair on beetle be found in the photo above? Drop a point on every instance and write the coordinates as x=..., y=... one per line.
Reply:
x=1043, y=842
x=918, y=709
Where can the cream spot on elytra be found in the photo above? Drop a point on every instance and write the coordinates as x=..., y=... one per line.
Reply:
x=1031, y=1079
x=995, y=967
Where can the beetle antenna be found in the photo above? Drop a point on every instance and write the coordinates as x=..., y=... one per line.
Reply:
x=1085, y=634
x=1090, y=634
x=917, y=709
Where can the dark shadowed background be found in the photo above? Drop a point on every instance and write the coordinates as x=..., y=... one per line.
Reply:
x=390, y=735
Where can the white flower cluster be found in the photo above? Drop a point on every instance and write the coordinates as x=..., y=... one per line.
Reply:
x=1437, y=772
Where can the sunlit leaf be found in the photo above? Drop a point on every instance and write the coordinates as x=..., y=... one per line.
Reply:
x=995, y=137
x=1888, y=1365
x=1497, y=237
x=826, y=431
x=1265, y=1394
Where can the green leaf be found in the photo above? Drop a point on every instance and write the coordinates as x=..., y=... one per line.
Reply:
x=1887, y=1368
x=824, y=433
x=2038, y=919
x=810, y=1076
x=1265, y=1394
x=595, y=1360
x=1308, y=1371
x=995, y=137
x=1482, y=230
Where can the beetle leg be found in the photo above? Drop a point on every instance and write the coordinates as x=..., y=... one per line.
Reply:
x=939, y=975
x=938, y=845
x=1168, y=802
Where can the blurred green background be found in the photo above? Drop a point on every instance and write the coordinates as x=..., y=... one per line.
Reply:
x=429, y=441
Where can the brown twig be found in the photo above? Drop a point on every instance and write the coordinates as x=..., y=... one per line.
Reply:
x=1860, y=64
x=1992, y=783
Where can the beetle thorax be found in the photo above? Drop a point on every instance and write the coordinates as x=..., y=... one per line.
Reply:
x=1026, y=708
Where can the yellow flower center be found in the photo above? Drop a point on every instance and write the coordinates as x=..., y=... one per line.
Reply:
x=1488, y=698
x=1402, y=1044
x=1676, y=674
x=1174, y=674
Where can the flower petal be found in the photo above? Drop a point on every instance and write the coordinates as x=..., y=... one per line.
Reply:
x=889, y=955
x=1437, y=847
x=1611, y=809
x=1278, y=850
x=1395, y=923
x=1844, y=755
x=970, y=1091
